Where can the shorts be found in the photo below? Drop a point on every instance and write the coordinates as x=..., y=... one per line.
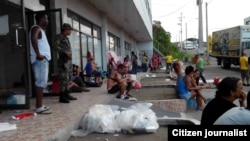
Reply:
x=96, y=74
x=189, y=102
x=41, y=70
x=114, y=89
x=185, y=96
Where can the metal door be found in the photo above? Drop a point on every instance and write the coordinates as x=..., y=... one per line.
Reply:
x=14, y=74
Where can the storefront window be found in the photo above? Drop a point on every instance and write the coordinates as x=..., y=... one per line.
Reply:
x=76, y=24
x=127, y=48
x=75, y=47
x=98, y=51
x=84, y=49
x=114, y=43
x=111, y=43
x=97, y=32
x=82, y=40
x=86, y=27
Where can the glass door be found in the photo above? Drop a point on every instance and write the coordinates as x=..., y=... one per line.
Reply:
x=14, y=74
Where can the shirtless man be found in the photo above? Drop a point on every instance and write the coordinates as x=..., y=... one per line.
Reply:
x=118, y=81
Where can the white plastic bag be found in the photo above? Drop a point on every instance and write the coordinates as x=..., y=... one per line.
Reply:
x=100, y=119
x=138, y=118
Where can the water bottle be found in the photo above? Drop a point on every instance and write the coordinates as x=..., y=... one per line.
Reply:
x=12, y=99
x=23, y=115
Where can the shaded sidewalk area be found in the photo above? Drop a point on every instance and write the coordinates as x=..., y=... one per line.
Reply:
x=64, y=117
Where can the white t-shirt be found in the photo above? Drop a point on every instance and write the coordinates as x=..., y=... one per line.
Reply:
x=234, y=116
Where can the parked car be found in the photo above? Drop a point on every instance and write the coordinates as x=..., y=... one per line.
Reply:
x=189, y=46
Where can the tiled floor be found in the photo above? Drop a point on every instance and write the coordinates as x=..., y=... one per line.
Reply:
x=47, y=127
x=55, y=126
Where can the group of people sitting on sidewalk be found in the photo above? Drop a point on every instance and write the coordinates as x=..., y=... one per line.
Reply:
x=187, y=86
x=220, y=110
x=82, y=79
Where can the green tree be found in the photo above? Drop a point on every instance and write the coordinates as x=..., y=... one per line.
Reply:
x=162, y=41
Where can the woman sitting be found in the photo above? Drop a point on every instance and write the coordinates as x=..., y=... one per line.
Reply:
x=91, y=70
x=189, y=91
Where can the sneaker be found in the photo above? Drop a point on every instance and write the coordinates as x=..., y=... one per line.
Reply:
x=42, y=110
x=121, y=96
x=118, y=96
x=125, y=97
x=130, y=98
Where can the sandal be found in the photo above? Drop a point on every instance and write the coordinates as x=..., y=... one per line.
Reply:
x=199, y=109
x=43, y=110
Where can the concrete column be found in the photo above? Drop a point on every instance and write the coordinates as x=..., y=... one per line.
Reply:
x=104, y=35
x=122, y=43
x=200, y=31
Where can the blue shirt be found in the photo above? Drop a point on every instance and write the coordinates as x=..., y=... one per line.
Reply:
x=181, y=85
x=88, y=68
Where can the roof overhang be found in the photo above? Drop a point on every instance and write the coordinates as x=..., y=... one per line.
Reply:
x=125, y=14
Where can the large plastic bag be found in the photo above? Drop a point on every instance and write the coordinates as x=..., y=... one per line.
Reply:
x=100, y=119
x=138, y=118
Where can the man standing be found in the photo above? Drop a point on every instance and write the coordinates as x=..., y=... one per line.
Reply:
x=40, y=56
x=144, y=62
x=244, y=69
x=169, y=61
x=63, y=47
x=200, y=66
x=134, y=62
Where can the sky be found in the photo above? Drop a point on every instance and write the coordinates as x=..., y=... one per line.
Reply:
x=221, y=14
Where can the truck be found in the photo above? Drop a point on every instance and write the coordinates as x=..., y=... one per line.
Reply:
x=229, y=44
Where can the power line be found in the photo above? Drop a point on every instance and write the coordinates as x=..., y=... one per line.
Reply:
x=209, y=1
x=175, y=10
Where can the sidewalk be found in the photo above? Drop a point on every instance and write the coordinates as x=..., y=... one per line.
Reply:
x=55, y=126
x=64, y=117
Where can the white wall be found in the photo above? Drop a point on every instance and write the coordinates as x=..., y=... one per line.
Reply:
x=87, y=11
x=247, y=21
x=141, y=7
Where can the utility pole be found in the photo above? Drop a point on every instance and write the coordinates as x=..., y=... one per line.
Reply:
x=186, y=34
x=200, y=31
x=208, y=60
x=181, y=29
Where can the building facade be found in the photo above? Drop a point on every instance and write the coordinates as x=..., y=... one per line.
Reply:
x=99, y=26
x=247, y=21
